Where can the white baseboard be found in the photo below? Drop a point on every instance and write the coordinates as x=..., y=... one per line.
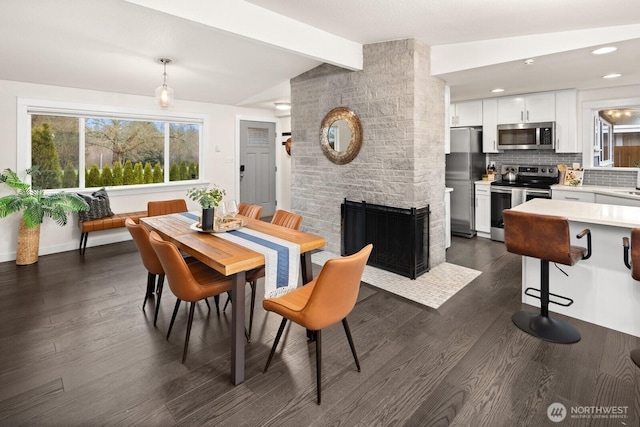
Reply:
x=96, y=238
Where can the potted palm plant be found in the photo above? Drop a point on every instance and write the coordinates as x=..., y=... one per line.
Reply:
x=35, y=205
x=208, y=198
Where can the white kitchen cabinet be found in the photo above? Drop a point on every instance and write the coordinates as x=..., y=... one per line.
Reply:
x=464, y=114
x=490, y=125
x=574, y=196
x=566, y=122
x=483, y=208
x=609, y=199
x=531, y=108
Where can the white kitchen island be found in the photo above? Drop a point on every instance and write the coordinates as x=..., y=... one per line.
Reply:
x=602, y=288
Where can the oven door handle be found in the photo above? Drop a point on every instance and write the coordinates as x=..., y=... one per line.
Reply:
x=533, y=192
x=502, y=190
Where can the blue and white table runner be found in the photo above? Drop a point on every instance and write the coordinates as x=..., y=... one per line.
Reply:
x=282, y=258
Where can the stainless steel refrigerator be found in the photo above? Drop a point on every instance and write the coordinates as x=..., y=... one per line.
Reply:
x=465, y=165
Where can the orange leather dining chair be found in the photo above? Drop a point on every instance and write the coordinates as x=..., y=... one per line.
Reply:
x=151, y=262
x=165, y=207
x=324, y=301
x=284, y=219
x=140, y=236
x=633, y=264
x=188, y=282
x=287, y=219
x=250, y=211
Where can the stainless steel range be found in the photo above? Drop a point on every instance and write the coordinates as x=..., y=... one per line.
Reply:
x=525, y=183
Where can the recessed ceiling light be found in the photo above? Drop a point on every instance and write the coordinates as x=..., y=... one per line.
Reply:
x=283, y=106
x=611, y=76
x=604, y=50
x=528, y=61
x=497, y=90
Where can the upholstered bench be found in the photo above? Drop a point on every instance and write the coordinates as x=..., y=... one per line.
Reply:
x=100, y=217
x=106, y=223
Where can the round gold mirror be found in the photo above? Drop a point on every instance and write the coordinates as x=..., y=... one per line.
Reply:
x=341, y=135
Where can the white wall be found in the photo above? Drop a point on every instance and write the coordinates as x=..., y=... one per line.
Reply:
x=221, y=166
x=283, y=178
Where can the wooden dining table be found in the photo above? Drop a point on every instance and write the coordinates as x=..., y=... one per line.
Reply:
x=233, y=260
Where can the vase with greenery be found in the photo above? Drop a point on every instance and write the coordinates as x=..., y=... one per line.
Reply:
x=35, y=205
x=208, y=198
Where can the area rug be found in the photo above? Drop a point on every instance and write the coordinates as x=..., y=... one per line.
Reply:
x=432, y=289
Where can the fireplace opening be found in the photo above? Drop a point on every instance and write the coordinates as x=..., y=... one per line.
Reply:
x=400, y=236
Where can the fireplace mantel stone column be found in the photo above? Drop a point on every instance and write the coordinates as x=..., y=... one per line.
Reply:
x=402, y=161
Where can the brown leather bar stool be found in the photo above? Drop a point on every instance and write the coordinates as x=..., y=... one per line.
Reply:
x=547, y=238
x=633, y=264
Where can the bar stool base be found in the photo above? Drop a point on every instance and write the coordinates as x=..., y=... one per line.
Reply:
x=546, y=328
x=635, y=356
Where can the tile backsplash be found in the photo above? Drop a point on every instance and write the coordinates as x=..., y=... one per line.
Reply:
x=603, y=177
x=533, y=157
x=610, y=177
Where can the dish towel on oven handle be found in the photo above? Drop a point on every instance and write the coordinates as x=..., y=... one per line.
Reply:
x=282, y=259
x=518, y=197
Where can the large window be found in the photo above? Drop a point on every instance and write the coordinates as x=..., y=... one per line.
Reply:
x=88, y=148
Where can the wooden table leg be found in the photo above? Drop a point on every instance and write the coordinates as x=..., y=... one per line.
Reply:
x=237, y=328
x=307, y=268
x=307, y=276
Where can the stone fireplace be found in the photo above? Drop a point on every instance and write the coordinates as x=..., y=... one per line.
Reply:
x=401, y=162
x=400, y=237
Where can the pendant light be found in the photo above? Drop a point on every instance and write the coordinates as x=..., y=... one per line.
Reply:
x=164, y=94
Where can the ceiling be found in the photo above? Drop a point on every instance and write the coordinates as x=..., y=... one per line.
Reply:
x=245, y=52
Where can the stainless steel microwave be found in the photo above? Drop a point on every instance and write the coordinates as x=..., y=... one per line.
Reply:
x=527, y=136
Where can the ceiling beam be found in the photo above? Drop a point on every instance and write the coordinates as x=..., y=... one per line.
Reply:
x=264, y=26
x=464, y=56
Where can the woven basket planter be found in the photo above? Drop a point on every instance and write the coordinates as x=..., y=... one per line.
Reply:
x=28, y=244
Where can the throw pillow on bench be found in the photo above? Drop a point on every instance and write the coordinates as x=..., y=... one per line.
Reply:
x=99, y=206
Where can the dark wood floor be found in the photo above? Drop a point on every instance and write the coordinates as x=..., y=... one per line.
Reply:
x=76, y=349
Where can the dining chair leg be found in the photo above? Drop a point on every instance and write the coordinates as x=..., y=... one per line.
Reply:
x=159, y=288
x=353, y=348
x=173, y=317
x=253, y=304
x=318, y=363
x=207, y=302
x=275, y=343
x=247, y=333
x=216, y=298
x=186, y=340
x=151, y=282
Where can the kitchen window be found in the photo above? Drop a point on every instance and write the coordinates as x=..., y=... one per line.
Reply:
x=78, y=146
x=624, y=117
x=603, y=147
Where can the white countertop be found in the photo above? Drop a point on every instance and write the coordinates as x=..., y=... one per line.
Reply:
x=590, y=213
x=609, y=191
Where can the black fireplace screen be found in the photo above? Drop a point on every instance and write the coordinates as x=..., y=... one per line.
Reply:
x=400, y=237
